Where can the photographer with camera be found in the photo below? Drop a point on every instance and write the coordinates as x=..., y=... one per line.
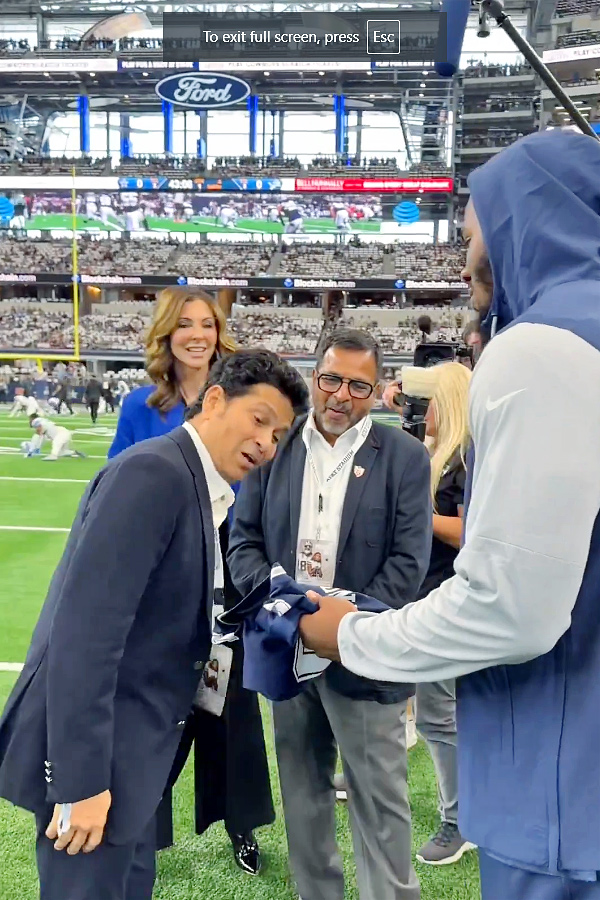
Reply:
x=519, y=620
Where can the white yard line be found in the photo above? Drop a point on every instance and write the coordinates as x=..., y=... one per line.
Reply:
x=51, y=480
x=32, y=528
x=17, y=450
x=100, y=439
x=11, y=667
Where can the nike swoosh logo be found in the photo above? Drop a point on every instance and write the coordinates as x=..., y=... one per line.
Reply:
x=494, y=404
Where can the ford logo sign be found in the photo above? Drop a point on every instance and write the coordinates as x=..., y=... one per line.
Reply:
x=202, y=90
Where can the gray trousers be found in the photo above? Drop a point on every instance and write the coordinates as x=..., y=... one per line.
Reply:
x=372, y=741
x=436, y=721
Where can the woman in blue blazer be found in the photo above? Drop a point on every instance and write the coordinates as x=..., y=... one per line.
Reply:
x=188, y=333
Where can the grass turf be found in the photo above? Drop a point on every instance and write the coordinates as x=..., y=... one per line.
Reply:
x=197, y=868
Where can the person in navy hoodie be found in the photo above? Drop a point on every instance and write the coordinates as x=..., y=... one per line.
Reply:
x=519, y=621
x=187, y=334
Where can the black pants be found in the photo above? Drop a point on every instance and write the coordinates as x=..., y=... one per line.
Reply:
x=93, y=405
x=67, y=404
x=111, y=872
x=109, y=400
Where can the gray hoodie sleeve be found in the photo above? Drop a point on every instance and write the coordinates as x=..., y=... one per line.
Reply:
x=535, y=497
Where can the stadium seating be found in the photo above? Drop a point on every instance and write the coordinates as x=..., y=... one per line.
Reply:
x=430, y=262
x=576, y=7
x=577, y=38
x=290, y=332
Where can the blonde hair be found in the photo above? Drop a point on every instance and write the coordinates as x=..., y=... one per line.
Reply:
x=160, y=362
x=450, y=408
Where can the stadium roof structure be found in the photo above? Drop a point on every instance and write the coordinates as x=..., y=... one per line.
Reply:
x=155, y=8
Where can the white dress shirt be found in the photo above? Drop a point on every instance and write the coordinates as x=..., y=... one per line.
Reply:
x=534, y=502
x=221, y=498
x=326, y=526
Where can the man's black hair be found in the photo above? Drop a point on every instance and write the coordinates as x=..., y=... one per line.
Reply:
x=352, y=339
x=237, y=373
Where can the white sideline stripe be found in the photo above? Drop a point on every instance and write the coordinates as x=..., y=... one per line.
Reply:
x=11, y=667
x=31, y=528
x=52, y=480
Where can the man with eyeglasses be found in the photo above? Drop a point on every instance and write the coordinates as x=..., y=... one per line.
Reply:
x=344, y=504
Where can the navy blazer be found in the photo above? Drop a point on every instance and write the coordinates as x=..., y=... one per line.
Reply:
x=385, y=534
x=117, y=652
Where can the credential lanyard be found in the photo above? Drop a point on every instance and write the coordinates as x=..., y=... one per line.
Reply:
x=359, y=441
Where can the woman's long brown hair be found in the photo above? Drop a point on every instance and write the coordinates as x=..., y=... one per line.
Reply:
x=160, y=362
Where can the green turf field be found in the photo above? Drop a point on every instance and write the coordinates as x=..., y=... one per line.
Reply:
x=199, y=224
x=39, y=495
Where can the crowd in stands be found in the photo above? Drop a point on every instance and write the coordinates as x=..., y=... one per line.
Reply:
x=34, y=256
x=77, y=45
x=287, y=333
x=268, y=166
x=498, y=103
x=430, y=262
x=577, y=38
x=483, y=69
x=493, y=137
x=221, y=260
x=577, y=7
x=274, y=331
x=433, y=262
x=312, y=260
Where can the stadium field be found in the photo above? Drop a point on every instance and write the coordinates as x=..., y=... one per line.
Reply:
x=37, y=504
x=199, y=224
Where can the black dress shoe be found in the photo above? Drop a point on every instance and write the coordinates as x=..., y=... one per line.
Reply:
x=246, y=852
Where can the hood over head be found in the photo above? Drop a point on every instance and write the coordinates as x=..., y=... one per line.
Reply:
x=538, y=204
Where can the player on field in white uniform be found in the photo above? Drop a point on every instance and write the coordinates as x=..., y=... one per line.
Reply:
x=23, y=404
x=105, y=208
x=342, y=220
x=122, y=390
x=91, y=206
x=47, y=430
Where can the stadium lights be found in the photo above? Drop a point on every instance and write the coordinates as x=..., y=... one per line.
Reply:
x=47, y=74
x=92, y=74
x=321, y=73
x=145, y=74
x=425, y=71
x=266, y=73
x=421, y=96
x=422, y=84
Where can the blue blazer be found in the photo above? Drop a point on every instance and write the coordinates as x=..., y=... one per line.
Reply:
x=114, y=660
x=138, y=421
x=385, y=534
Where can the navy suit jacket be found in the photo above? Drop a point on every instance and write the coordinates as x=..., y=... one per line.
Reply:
x=117, y=652
x=385, y=534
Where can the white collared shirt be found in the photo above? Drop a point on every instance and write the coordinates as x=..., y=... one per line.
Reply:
x=221, y=498
x=326, y=458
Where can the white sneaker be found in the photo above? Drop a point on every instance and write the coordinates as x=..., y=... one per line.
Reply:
x=339, y=784
x=412, y=738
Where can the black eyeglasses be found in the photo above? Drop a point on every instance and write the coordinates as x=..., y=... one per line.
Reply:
x=330, y=384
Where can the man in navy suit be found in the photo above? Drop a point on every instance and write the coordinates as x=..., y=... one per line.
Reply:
x=89, y=734
x=344, y=504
